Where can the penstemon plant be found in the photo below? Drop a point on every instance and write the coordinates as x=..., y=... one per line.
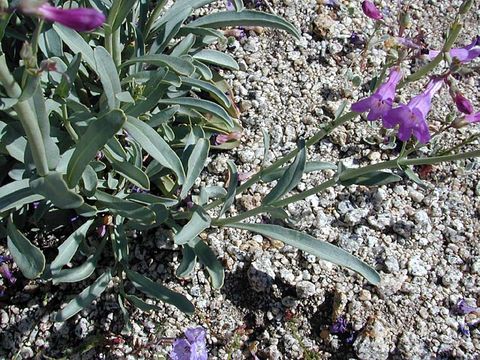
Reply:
x=106, y=132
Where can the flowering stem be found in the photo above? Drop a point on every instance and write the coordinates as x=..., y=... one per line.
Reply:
x=312, y=141
x=424, y=70
x=27, y=118
x=346, y=175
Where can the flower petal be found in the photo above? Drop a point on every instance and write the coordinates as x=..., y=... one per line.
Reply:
x=80, y=19
x=362, y=105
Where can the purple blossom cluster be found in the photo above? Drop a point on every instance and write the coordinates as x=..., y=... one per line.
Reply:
x=193, y=347
x=411, y=118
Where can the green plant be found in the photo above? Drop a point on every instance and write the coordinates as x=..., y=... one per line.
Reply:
x=111, y=129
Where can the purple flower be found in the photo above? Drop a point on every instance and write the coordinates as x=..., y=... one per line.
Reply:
x=80, y=19
x=465, y=54
x=7, y=274
x=462, y=308
x=191, y=348
x=473, y=118
x=370, y=10
x=340, y=326
x=464, y=329
x=411, y=118
x=380, y=102
x=463, y=104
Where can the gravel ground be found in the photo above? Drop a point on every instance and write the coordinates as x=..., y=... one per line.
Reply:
x=277, y=302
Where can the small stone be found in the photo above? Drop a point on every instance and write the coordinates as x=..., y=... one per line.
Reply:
x=476, y=267
x=452, y=278
x=372, y=343
x=261, y=274
x=392, y=265
x=305, y=289
x=416, y=266
x=365, y=295
x=81, y=330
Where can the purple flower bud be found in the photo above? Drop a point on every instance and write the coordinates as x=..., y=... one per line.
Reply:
x=463, y=104
x=223, y=138
x=80, y=19
x=370, y=10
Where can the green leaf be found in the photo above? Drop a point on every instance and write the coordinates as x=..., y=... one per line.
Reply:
x=196, y=162
x=309, y=244
x=81, y=272
x=178, y=65
x=29, y=258
x=154, y=144
x=199, y=222
x=54, y=188
x=149, y=199
x=132, y=173
x=214, y=267
x=201, y=32
x=214, y=91
x=37, y=103
x=203, y=106
x=374, y=178
x=125, y=208
x=90, y=180
x=216, y=58
x=97, y=135
x=7, y=103
x=266, y=147
x=116, y=18
x=238, y=5
x=85, y=298
x=160, y=292
x=291, y=177
x=311, y=166
x=76, y=43
x=142, y=305
x=69, y=247
x=414, y=177
x=17, y=193
x=211, y=192
x=232, y=187
x=69, y=76
x=107, y=71
x=188, y=262
x=245, y=18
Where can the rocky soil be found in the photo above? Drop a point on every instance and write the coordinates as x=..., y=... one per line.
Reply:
x=278, y=302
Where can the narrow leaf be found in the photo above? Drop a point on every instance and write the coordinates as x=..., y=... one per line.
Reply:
x=85, y=298
x=107, y=71
x=214, y=267
x=54, y=188
x=97, y=135
x=196, y=162
x=232, y=187
x=217, y=58
x=160, y=292
x=17, y=193
x=199, y=222
x=309, y=244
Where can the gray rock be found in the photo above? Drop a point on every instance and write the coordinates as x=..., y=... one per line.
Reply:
x=372, y=343
x=416, y=266
x=305, y=289
x=261, y=274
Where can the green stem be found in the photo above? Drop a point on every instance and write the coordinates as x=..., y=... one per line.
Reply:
x=348, y=174
x=68, y=126
x=116, y=48
x=27, y=118
x=312, y=141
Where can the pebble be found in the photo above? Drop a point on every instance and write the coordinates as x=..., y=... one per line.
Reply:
x=261, y=275
x=305, y=289
x=372, y=343
x=416, y=266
